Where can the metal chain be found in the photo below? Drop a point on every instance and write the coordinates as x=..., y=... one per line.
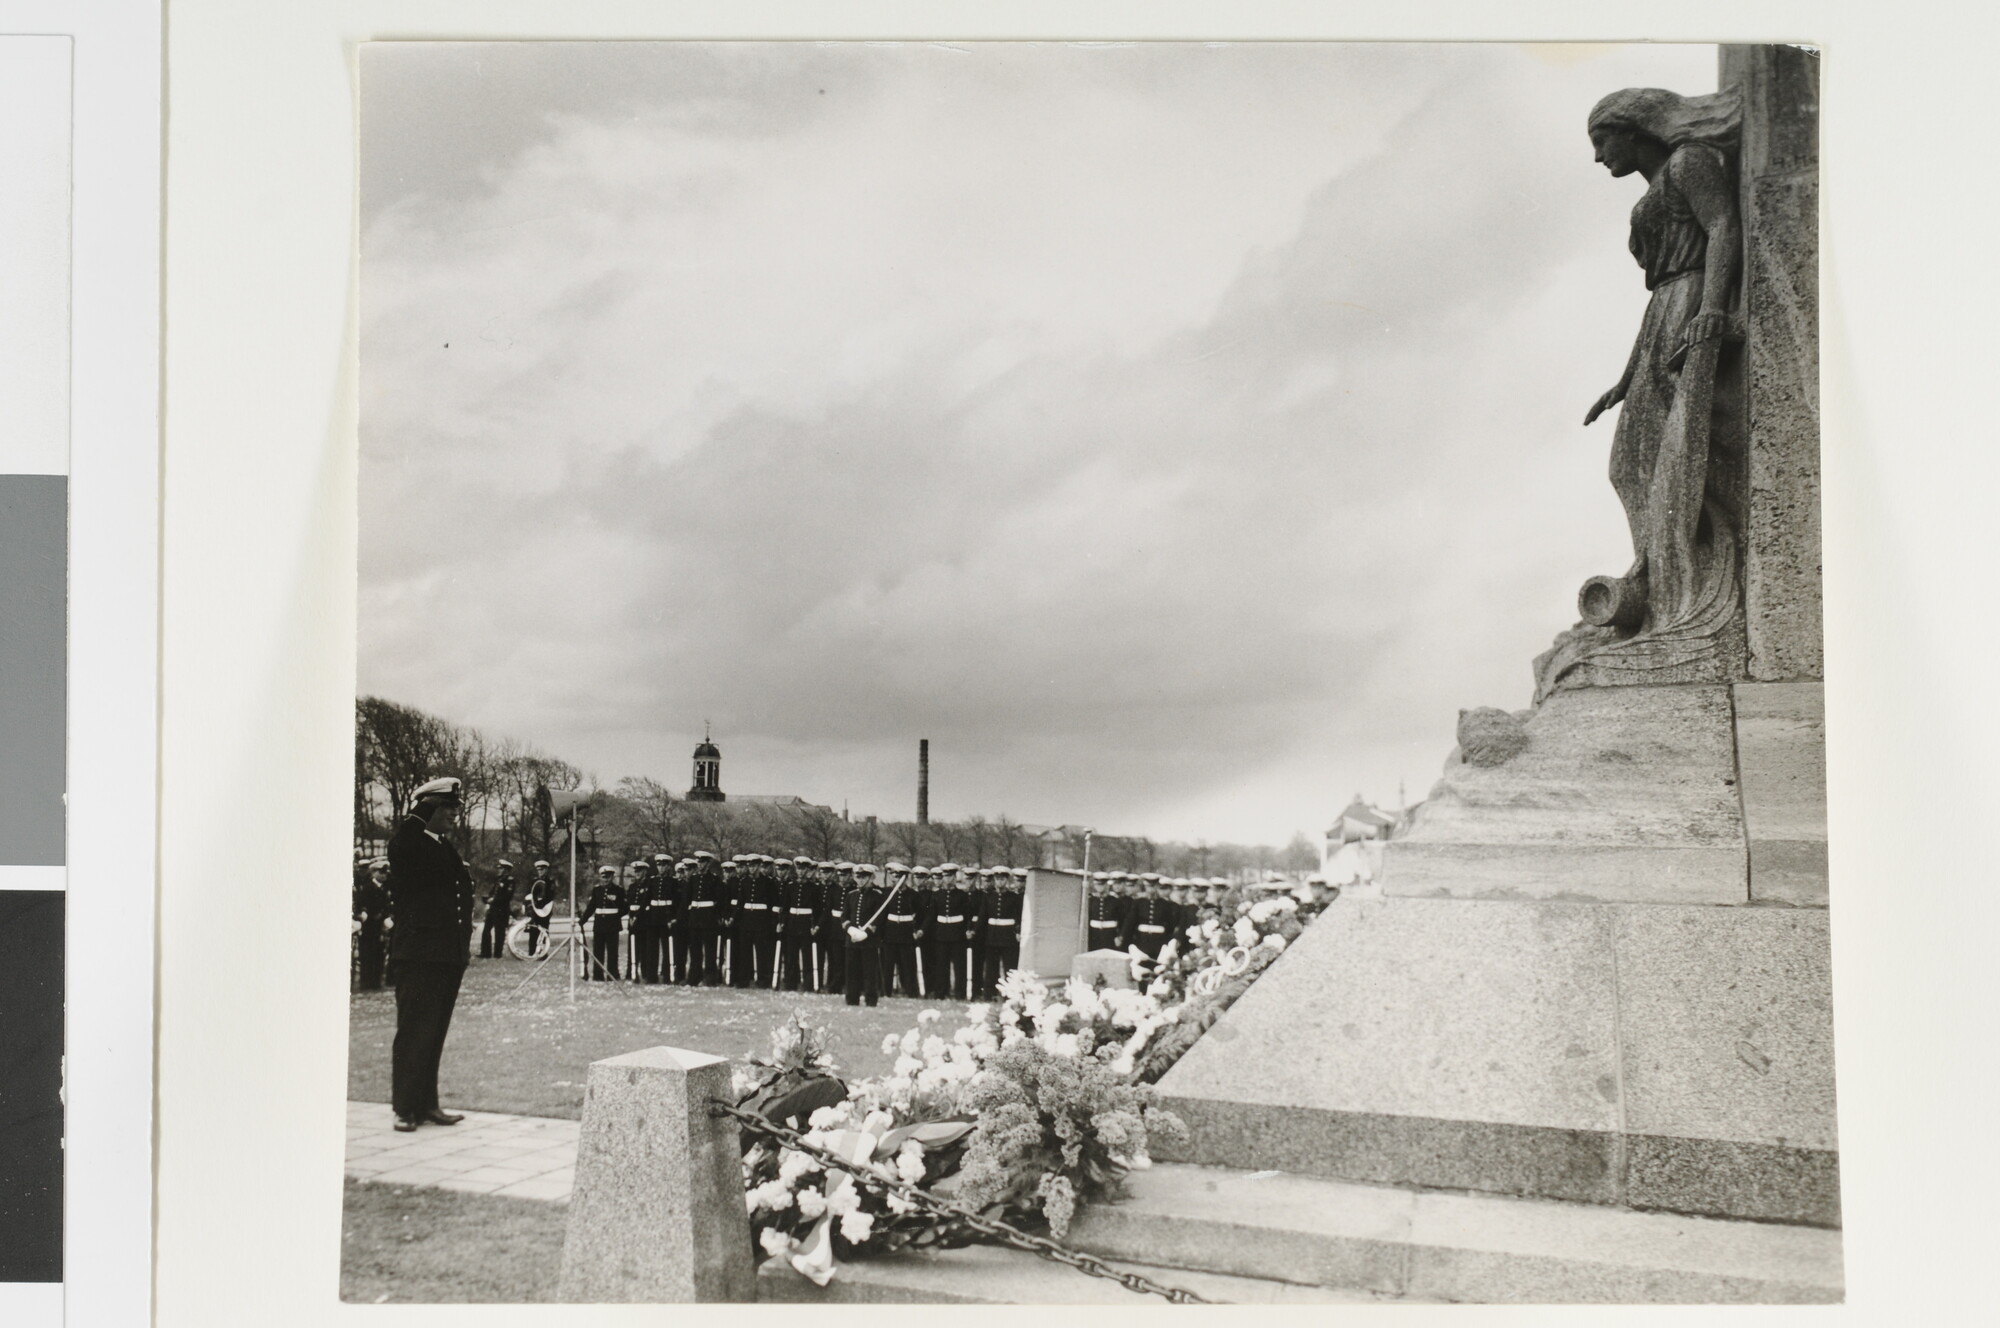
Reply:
x=866, y=1174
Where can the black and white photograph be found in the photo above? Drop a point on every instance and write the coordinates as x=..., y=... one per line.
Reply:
x=1089, y=673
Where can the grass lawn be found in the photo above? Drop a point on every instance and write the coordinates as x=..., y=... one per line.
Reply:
x=529, y=1052
x=427, y=1246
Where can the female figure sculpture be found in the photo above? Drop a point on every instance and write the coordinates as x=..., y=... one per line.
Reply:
x=1673, y=616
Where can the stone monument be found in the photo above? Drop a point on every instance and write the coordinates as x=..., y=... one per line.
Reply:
x=1598, y=970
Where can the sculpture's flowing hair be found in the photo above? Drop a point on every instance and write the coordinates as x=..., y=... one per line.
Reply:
x=1714, y=118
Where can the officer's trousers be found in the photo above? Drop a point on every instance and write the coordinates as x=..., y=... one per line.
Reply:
x=493, y=936
x=536, y=936
x=603, y=965
x=426, y=993
x=370, y=952
x=863, y=972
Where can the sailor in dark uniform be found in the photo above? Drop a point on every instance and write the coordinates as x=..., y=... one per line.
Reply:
x=755, y=948
x=604, y=910
x=371, y=912
x=431, y=899
x=1105, y=925
x=1001, y=928
x=499, y=912
x=539, y=905
x=863, y=963
x=646, y=914
x=954, y=907
x=708, y=899
x=830, y=927
x=897, y=933
x=1152, y=917
x=796, y=898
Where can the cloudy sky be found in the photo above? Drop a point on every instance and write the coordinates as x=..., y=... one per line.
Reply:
x=1175, y=435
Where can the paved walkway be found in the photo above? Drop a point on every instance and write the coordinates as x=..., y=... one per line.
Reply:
x=524, y=1157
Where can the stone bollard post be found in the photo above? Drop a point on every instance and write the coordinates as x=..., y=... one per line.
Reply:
x=1113, y=966
x=657, y=1214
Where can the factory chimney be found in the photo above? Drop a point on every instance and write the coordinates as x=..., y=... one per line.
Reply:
x=923, y=781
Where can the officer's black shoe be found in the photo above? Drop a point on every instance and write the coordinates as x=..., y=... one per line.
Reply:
x=405, y=1124
x=438, y=1116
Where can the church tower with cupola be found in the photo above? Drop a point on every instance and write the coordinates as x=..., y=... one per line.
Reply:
x=707, y=785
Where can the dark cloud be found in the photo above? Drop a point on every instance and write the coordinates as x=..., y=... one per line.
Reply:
x=1194, y=575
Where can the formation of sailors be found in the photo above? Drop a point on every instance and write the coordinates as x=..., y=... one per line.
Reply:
x=801, y=925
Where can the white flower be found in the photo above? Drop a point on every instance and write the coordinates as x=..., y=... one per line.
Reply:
x=1274, y=942
x=1050, y=1017
x=910, y=1162
x=1261, y=911
x=925, y=1018
x=857, y=1226
x=1122, y=1063
x=911, y=1041
x=842, y=1201
x=1065, y=1045
x=889, y=1044
x=898, y=1204
x=811, y=1203
x=906, y=1065
x=1304, y=894
x=1246, y=932
x=795, y=1164
x=829, y=1118
x=772, y=1194
x=933, y=1049
x=774, y=1241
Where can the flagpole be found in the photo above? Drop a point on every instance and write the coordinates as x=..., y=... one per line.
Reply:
x=572, y=906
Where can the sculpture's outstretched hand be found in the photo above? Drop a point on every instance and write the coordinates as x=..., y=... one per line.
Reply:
x=1604, y=403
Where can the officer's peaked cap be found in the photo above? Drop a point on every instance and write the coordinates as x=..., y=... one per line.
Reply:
x=443, y=787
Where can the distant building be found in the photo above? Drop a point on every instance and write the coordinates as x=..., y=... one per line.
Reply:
x=707, y=786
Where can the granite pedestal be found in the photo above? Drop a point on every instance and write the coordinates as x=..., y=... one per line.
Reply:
x=657, y=1215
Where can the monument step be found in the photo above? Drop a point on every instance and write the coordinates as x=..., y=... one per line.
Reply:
x=1435, y=1245
x=993, y=1275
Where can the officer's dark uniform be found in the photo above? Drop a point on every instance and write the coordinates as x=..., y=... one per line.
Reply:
x=900, y=929
x=499, y=912
x=430, y=896
x=1000, y=928
x=1105, y=924
x=755, y=950
x=797, y=895
x=708, y=900
x=605, y=909
x=371, y=909
x=830, y=929
x=863, y=959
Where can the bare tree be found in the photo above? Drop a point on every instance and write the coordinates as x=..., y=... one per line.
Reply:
x=820, y=830
x=657, y=811
x=1007, y=839
x=867, y=839
x=713, y=826
x=907, y=838
x=950, y=838
x=978, y=833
